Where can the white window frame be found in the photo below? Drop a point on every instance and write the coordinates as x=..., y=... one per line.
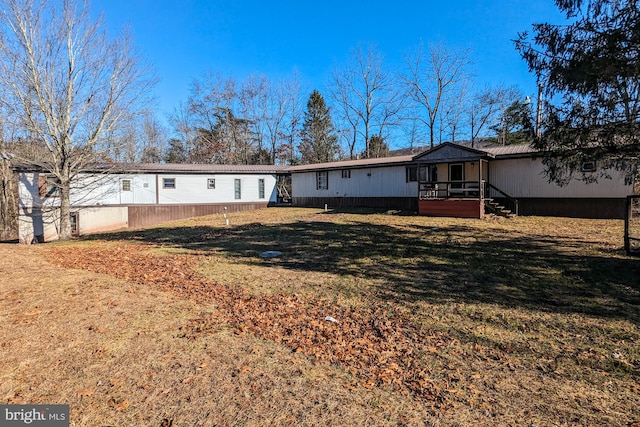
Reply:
x=165, y=181
x=322, y=180
x=237, y=189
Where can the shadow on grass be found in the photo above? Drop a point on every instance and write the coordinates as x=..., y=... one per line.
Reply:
x=452, y=264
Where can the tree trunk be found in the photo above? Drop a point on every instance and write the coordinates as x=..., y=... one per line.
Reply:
x=65, y=211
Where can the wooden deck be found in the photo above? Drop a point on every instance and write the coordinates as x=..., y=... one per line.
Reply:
x=460, y=208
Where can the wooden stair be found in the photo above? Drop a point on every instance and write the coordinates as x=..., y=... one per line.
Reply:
x=496, y=208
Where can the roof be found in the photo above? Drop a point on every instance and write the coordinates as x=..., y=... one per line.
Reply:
x=440, y=153
x=445, y=152
x=171, y=168
x=195, y=168
x=353, y=164
x=511, y=150
x=450, y=152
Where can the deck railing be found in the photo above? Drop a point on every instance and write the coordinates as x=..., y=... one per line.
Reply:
x=451, y=189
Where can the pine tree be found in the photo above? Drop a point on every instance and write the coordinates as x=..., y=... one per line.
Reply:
x=590, y=70
x=378, y=147
x=319, y=143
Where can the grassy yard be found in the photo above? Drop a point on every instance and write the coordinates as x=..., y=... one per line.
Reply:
x=439, y=322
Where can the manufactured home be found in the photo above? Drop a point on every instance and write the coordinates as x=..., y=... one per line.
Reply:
x=460, y=181
x=448, y=180
x=110, y=197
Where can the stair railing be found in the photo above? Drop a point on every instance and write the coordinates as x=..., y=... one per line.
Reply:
x=514, y=202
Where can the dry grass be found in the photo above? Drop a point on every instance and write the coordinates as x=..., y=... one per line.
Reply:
x=543, y=316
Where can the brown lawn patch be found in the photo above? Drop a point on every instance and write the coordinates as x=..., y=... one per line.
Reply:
x=377, y=346
x=118, y=353
x=532, y=321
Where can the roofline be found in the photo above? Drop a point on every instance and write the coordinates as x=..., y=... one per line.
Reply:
x=354, y=164
x=151, y=168
x=205, y=168
x=481, y=153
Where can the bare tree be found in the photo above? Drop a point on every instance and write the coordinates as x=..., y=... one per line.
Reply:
x=209, y=115
x=152, y=139
x=453, y=111
x=348, y=116
x=366, y=96
x=280, y=111
x=8, y=198
x=253, y=97
x=67, y=84
x=432, y=77
x=505, y=98
x=291, y=129
x=179, y=144
x=485, y=106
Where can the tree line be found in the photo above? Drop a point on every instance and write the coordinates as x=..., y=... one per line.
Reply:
x=362, y=110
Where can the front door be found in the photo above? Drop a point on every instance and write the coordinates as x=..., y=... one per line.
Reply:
x=456, y=175
x=126, y=191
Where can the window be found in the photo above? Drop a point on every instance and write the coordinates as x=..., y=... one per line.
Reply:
x=588, y=167
x=322, y=180
x=261, y=189
x=75, y=223
x=168, y=183
x=427, y=173
x=238, y=190
x=346, y=173
x=211, y=183
x=126, y=185
x=423, y=173
x=412, y=173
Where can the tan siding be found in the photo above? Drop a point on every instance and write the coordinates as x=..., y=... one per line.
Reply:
x=525, y=178
x=370, y=182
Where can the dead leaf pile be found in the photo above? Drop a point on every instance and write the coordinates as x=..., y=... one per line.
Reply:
x=377, y=347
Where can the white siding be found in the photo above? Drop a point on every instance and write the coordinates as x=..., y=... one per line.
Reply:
x=35, y=223
x=92, y=220
x=525, y=178
x=373, y=182
x=193, y=189
x=106, y=189
x=28, y=190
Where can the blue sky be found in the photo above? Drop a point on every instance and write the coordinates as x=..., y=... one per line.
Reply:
x=184, y=38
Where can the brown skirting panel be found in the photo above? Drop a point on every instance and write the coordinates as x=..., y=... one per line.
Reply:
x=403, y=203
x=452, y=208
x=573, y=207
x=143, y=215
